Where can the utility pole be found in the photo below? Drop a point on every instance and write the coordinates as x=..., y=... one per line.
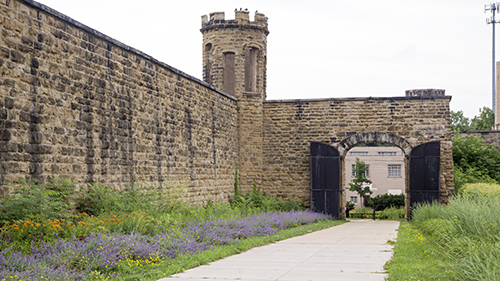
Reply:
x=492, y=20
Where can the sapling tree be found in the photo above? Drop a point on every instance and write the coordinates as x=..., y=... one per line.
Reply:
x=356, y=183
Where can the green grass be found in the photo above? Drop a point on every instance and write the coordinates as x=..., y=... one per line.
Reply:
x=130, y=271
x=458, y=241
x=416, y=257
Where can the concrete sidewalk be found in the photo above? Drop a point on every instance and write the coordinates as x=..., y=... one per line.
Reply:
x=356, y=250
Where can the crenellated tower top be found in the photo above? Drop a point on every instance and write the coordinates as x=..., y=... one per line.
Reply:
x=235, y=52
x=241, y=19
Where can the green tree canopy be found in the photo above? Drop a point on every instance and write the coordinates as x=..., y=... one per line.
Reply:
x=475, y=162
x=356, y=183
x=484, y=121
x=459, y=122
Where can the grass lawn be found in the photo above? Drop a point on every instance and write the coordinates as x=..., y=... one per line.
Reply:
x=416, y=257
x=458, y=241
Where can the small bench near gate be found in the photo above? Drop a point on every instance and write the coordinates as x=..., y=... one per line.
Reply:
x=361, y=215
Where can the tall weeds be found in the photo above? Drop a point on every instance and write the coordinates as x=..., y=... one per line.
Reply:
x=466, y=232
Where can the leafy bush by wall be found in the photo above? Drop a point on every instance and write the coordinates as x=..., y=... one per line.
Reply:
x=389, y=200
x=475, y=162
x=481, y=189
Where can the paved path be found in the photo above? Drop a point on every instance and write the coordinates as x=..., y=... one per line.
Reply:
x=356, y=250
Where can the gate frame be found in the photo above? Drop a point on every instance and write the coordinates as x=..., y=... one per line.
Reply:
x=378, y=137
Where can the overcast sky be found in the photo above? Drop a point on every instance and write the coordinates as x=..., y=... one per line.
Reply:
x=320, y=49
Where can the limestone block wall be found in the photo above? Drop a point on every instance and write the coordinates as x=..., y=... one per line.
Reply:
x=77, y=103
x=251, y=159
x=289, y=126
x=489, y=137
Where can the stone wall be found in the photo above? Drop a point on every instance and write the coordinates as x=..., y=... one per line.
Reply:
x=77, y=103
x=289, y=126
x=489, y=137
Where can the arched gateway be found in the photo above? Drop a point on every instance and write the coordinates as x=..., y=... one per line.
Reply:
x=327, y=179
x=305, y=142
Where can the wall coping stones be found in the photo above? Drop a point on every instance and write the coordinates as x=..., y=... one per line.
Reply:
x=358, y=99
x=119, y=44
x=489, y=136
x=481, y=131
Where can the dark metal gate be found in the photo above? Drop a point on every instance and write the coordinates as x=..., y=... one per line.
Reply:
x=325, y=179
x=424, y=173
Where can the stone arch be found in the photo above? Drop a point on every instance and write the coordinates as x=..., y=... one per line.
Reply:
x=369, y=137
x=355, y=139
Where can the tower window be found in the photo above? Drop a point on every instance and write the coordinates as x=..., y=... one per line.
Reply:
x=251, y=69
x=229, y=73
x=207, y=71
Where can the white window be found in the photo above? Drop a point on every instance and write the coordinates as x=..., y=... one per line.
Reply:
x=354, y=199
x=359, y=153
x=387, y=153
x=353, y=174
x=394, y=170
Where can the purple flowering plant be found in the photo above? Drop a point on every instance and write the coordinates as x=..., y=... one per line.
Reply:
x=99, y=254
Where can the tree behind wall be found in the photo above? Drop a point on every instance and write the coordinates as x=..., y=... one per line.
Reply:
x=475, y=162
x=484, y=121
x=356, y=183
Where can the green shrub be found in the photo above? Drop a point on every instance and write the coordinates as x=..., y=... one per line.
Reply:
x=391, y=214
x=481, y=189
x=98, y=199
x=470, y=175
x=473, y=161
x=389, y=200
x=428, y=211
x=257, y=199
x=53, y=199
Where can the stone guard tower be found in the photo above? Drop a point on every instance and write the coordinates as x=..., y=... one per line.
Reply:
x=234, y=60
x=234, y=53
